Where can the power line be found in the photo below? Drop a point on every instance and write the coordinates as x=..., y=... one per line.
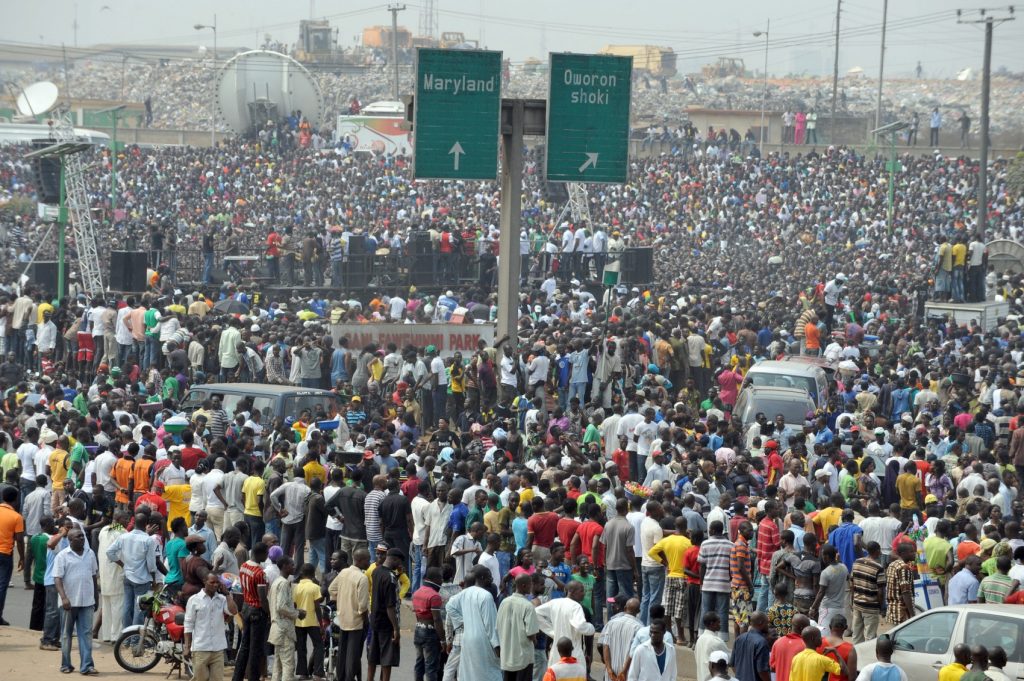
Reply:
x=986, y=85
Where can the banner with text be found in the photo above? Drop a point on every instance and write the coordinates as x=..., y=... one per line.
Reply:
x=447, y=338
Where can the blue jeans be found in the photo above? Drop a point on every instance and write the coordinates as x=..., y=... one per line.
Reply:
x=273, y=527
x=417, y=566
x=653, y=583
x=80, y=619
x=372, y=548
x=504, y=562
x=208, y=267
x=51, y=618
x=6, y=570
x=131, y=613
x=958, y=284
x=318, y=553
x=616, y=582
x=563, y=397
x=440, y=400
x=762, y=593
x=714, y=601
x=428, y=654
x=122, y=353
x=152, y=351
x=578, y=390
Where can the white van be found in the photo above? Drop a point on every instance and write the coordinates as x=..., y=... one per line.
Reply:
x=778, y=374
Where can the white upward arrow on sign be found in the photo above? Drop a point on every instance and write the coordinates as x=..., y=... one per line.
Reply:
x=591, y=161
x=458, y=151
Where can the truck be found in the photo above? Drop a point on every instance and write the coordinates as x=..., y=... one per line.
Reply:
x=654, y=61
x=380, y=37
x=725, y=67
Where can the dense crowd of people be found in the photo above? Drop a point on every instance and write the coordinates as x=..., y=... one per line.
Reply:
x=580, y=493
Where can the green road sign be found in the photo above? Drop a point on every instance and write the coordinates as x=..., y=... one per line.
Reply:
x=588, y=118
x=457, y=114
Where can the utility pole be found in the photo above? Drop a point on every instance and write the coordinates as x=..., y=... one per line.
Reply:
x=213, y=85
x=764, y=90
x=986, y=82
x=395, y=9
x=881, y=65
x=835, y=77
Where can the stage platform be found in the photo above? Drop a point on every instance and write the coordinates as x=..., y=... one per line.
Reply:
x=986, y=314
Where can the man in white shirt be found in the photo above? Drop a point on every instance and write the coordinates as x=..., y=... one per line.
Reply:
x=74, y=576
x=396, y=308
x=645, y=433
x=26, y=453
x=564, y=617
x=205, y=641
x=627, y=426
x=538, y=373
x=420, y=506
x=123, y=334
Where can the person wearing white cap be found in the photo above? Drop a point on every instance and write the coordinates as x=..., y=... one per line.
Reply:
x=718, y=666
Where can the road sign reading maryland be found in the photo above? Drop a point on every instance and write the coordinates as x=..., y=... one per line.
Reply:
x=457, y=114
x=588, y=118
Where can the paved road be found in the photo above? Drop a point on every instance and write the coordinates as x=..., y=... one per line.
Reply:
x=19, y=604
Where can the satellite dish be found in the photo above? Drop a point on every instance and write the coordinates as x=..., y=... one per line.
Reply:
x=37, y=98
x=256, y=86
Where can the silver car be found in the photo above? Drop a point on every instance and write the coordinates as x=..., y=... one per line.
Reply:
x=924, y=644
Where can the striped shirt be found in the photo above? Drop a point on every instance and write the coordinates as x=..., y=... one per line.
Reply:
x=251, y=576
x=740, y=563
x=371, y=515
x=768, y=542
x=995, y=588
x=866, y=581
x=715, y=554
x=899, y=579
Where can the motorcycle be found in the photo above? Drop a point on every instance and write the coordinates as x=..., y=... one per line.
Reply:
x=161, y=636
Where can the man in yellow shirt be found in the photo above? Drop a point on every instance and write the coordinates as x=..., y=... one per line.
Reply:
x=810, y=665
x=670, y=551
x=57, y=467
x=909, y=487
x=958, y=251
x=943, y=269
x=831, y=515
x=307, y=596
x=177, y=498
x=403, y=579
x=958, y=667
x=253, y=490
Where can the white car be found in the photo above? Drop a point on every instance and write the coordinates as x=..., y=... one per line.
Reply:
x=924, y=644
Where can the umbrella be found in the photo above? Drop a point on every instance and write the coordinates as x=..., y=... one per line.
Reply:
x=230, y=306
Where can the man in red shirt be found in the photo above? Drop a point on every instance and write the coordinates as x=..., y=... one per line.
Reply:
x=255, y=616
x=567, y=524
x=153, y=499
x=190, y=455
x=588, y=535
x=773, y=462
x=621, y=458
x=541, y=529
x=785, y=648
x=427, y=607
x=768, y=542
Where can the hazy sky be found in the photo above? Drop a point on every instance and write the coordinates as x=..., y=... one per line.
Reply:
x=800, y=36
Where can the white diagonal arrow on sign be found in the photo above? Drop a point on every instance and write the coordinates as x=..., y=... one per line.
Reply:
x=591, y=161
x=458, y=151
